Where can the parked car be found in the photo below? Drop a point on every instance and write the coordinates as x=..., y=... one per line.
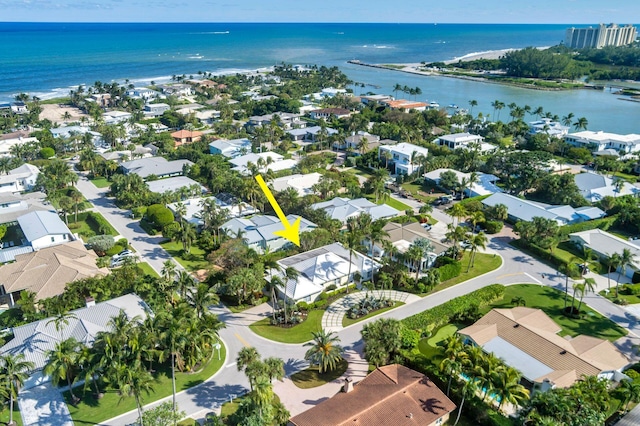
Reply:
x=122, y=255
x=584, y=269
x=426, y=226
x=465, y=244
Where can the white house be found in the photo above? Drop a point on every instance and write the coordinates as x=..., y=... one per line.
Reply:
x=20, y=179
x=604, y=245
x=342, y=209
x=264, y=161
x=115, y=117
x=401, y=156
x=230, y=148
x=598, y=141
x=155, y=110
x=328, y=113
x=549, y=127
x=486, y=182
x=521, y=209
x=35, y=339
x=320, y=268
x=460, y=140
x=194, y=206
x=143, y=93
x=16, y=138
x=303, y=184
x=259, y=231
x=594, y=186
x=44, y=229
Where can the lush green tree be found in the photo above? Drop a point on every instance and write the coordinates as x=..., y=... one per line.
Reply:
x=382, y=341
x=62, y=362
x=162, y=415
x=324, y=351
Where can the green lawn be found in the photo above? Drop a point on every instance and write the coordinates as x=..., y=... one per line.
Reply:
x=421, y=192
x=631, y=299
x=91, y=411
x=398, y=205
x=148, y=270
x=197, y=262
x=430, y=346
x=346, y=321
x=551, y=301
x=229, y=408
x=299, y=333
x=311, y=378
x=484, y=263
x=4, y=415
x=87, y=229
x=101, y=182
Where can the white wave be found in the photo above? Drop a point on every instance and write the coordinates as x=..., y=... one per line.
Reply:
x=196, y=57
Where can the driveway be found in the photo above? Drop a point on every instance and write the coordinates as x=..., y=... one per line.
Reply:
x=44, y=406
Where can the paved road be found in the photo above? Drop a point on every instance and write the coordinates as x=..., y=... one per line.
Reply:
x=146, y=245
x=516, y=268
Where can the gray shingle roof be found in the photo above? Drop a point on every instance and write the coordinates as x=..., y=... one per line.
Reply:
x=158, y=166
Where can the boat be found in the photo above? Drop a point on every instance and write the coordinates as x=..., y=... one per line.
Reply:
x=453, y=106
x=434, y=104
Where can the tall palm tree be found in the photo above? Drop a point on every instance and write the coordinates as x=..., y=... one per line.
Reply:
x=14, y=370
x=61, y=320
x=458, y=211
x=174, y=339
x=478, y=241
x=568, y=270
x=324, y=351
x=62, y=362
x=275, y=368
x=133, y=380
x=468, y=388
x=507, y=387
x=581, y=124
x=472, y=103
x=352, y=242
x=201, y=298
x=630, y=392
x=626, y=260
x=455, y=357
x=184, y=283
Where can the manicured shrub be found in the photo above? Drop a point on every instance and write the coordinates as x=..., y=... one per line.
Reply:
x=101, y=243
x=323, y=296
x=159, y=215
x=171, y=230
x=449, y=271
x=493, y=226
x=139, y=211
x=99, y=223
x=47, y=152
x=114, y=250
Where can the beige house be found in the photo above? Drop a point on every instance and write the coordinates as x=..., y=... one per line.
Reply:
x=403, y=235
x=46, y=272
x=527, y=339
x=392, y=395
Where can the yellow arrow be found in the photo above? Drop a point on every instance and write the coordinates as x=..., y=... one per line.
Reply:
x=290, y=232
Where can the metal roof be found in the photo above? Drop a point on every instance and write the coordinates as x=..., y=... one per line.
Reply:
x=39, y=224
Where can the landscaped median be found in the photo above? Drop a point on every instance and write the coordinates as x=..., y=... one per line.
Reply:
x=298, y=333
x=311, y=377
x=93, y=411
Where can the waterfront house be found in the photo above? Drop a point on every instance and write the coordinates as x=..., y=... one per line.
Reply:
x=143, y=93
x=320, y=268
x=405, y=105
x=598, y=141
x=35, y=339
x=403, y=157
x=19, y=108
x=548, y=127
x=176, y=89
x=604, y=245
x=340, y=208
x=258, y=231
x=390, y=395
x=527, y=339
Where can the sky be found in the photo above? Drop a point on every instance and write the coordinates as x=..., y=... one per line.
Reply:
x=396, y=11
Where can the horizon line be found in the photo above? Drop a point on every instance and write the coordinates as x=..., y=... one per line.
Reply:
x=298, y=22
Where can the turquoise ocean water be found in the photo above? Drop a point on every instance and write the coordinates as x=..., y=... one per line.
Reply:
x=47, y=59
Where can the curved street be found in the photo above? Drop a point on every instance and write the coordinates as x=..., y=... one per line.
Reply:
x=228, y=383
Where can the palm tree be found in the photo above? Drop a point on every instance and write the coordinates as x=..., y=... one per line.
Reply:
x=61, y=319
x=352, y=242
x=184, y=283
x=14, y=370
x=507, y=387
x=62, y=362
x=174, y=338
x=472, y=103
x=458, y=211
x=275, y=368
x=581, y=124
x=324, y=351
x=626, y=259
x=630, y=392
x=201, y=298
x=569, y=270
x=246, y=356
x=455, y=357
x=468, y=388
x=476, y=242
x=133, y=380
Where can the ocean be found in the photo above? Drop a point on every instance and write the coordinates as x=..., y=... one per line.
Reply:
x=47, y=59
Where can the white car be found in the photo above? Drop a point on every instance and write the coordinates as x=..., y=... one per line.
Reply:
x=465, y=244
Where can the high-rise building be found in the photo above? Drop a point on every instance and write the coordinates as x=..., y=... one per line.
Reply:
x=601, y=36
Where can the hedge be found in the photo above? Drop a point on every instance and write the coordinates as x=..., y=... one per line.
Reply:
x=493, y=226
x=99, y=223
x=449, y=271
x=604, y=224
x=440, y=315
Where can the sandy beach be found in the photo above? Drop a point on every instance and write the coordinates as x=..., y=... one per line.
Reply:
x=55, y=113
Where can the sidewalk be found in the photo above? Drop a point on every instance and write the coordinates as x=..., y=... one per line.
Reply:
x=332, y=318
